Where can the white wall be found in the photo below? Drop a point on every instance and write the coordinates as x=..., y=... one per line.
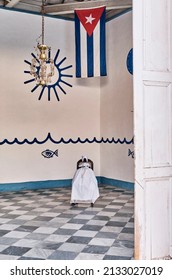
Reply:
x=117, y=102
x=22, y=115
x=78, y=114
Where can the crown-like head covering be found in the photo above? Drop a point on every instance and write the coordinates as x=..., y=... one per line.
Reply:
x=84, y=157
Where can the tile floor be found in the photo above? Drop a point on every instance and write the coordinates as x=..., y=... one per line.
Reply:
x=41, y=224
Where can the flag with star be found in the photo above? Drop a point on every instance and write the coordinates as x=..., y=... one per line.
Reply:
x=90, y=42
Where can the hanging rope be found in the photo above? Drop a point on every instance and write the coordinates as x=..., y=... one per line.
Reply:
x=43, y=2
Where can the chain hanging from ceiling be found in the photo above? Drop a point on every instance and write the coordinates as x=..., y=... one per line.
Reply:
x=42, y=66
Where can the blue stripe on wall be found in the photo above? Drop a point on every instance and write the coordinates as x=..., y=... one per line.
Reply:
x=61, y=17
x=70, y=140
x=35, y=185
x=6, y=187
x=117, y=183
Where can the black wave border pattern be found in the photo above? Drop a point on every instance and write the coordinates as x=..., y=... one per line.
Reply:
x=70, y=140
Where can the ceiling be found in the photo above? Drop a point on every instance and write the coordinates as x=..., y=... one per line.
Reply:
x=65, y=8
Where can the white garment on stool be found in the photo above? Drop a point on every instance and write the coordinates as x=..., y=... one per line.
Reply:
x=84, y=185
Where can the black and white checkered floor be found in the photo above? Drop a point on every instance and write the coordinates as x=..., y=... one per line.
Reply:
x=41, y=224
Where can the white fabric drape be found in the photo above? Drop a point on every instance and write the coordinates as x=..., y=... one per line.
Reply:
x=84, y=185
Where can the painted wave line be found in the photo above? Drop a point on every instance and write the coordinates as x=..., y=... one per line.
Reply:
x=70, y=140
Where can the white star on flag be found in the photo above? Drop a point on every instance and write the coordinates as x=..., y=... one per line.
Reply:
x=89, y=19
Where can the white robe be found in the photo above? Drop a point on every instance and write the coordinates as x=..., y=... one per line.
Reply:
x=84, y=186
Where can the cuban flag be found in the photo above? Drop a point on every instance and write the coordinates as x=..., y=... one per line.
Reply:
x=90, y=42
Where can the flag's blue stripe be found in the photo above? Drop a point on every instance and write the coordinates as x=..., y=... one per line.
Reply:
x=90, y=62
x=77, y=46
x=102, y=45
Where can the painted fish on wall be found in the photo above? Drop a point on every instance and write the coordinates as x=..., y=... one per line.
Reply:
x=49, y=154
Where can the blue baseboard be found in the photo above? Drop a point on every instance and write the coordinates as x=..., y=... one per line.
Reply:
x=60, y=184
x=117, y=183
x=35, y=185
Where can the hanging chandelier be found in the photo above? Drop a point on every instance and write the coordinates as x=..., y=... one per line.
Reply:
x=42, y=66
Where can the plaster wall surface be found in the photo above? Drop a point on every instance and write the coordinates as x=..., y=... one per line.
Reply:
x=116, y=115
x=77, y=114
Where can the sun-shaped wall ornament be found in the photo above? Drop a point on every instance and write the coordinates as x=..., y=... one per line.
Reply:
x=57, y=82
